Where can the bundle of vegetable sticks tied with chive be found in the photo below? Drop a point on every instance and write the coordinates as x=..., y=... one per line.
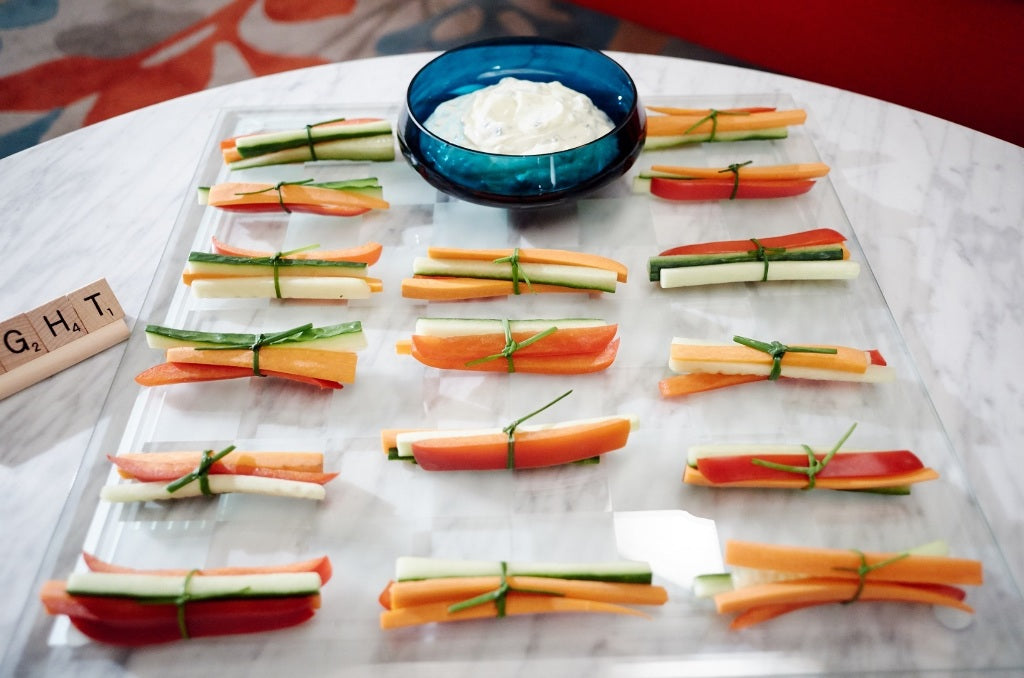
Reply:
x=516, y=446
x=179, y=475
x=766, y=581
x=429, y=590
x=358, y=139
x=704, y=366
x=319, y=356
x=130, y=607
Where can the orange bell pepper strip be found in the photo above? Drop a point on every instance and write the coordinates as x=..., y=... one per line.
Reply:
x=577, y=363
x=530, y=449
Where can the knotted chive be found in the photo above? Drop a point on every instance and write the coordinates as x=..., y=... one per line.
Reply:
x=201, y=473
x=735, y=169
x=275, y=261
x=277, y=187
x=762, y=253
x=497, y=595
x=510, y=460
x=511, y=346
x=814, y=465
x=180, y=601
x=863, y=570
x=777, y=349
x=517, y=271
x=261, y=340
x=713, y=117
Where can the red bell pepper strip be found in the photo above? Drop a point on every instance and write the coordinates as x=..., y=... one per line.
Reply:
x=811, y=238
x=725, y=189
x=129, y=622
x=183, y=373
x=845, y=465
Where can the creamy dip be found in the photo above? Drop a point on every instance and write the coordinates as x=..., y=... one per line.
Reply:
x=520, y=117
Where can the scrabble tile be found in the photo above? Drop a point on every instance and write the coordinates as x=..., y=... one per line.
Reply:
x=96, y=305
x=19, y=343
x=56, y=323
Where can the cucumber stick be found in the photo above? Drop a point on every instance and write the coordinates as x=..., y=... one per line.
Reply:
x=577, y=277
x=655, y=265
x=459, y=327
x=166, y=588
x=269, y=142
x=669, y=141
x=347, y=336
x=377, y=148
x=209, y=263
x=219, y=484
x=410, y=568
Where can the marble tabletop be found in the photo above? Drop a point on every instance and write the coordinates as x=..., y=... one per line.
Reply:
x=938, y=210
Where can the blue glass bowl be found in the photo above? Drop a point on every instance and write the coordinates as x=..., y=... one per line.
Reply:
x=515, y=181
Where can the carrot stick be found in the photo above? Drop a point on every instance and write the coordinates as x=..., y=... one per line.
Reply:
x=287, y=461
x=337, y=366
x=368, y=253
x=515, y=604
x=842, y=564
x=532, y=448
x=693, y=476
x=321, y=566
x=828, y=590
x=166, y=374
x=566, y=341
x=535, y=256
x=810, y=170
x=578, y=363
x=698, y=382
x=456, y=289
x=669, y=125
x=844, y=360
x=672, y=110
x=454, y=589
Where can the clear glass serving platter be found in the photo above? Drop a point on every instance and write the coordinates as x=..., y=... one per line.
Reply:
x=631, y=505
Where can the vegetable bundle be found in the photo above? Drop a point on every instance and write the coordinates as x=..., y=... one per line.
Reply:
x=702, y=366
x=449, y=274
x=542, y=346
x=129, y=607
x=230, y=272
x=738, y=181
x=328, y=198
x=818, y=254
x=356, y=139
x=320, y=356
x=804, y=467
x=514, y=447
x=768, y=580
x=679, y=126
x=429, y=590
x=178, y=475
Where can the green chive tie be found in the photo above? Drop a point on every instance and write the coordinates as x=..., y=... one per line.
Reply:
x=735, y=169
x=510, y=460
x=517, y=270
x=814, y=465
x=277, y=187
x=511, y=346
x=863, y=570
x=776, y=350
x=201, y=473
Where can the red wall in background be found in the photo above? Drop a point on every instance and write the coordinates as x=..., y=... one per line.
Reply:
x=961, y=60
